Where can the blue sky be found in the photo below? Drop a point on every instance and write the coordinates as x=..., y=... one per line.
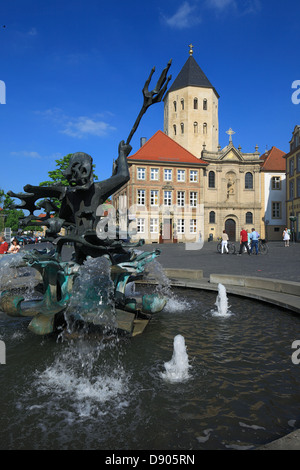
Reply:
x=74, y=71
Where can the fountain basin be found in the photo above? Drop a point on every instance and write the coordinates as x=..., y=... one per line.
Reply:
x=241, y=391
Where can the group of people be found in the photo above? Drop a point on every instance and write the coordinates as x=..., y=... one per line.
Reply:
x=13, y=248
x=245, y=240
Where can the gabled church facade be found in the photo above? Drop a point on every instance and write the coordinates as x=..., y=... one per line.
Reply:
x=232, y=192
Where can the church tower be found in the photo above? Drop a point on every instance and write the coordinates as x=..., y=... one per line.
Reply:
x=191, y=110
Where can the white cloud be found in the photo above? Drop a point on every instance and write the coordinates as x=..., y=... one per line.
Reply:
x=34, y=155
x=242, y=7
x=183, y=18
x=220, y=4
x=82, y=126
x=78, y=127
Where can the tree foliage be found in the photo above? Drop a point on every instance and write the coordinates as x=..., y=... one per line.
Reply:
x=9, y=215
x=56, y=176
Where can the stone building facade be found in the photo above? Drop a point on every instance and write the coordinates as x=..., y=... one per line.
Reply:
x=165, y=194
x=274, y=193
x=230, y=184
x=232, y=192
x=293, y=183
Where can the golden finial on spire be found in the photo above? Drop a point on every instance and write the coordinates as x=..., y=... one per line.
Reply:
x=191, y=49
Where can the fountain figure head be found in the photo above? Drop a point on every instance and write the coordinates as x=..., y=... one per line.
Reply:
x=80, y=171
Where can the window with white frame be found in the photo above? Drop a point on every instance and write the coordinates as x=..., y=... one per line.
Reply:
x=141, y=197
x=153, y=225
x=193, y=176
x=154, y=174
x=180, y=225
x=180, y=198
x=154, y=198
x=167, y=198
x=193, y=198
x=181, y=175
x=140, y=226
x=168, y=175
x=193, y=226
x=276, y=182
x=141, y=173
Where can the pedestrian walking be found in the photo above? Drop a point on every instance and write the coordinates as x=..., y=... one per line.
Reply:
x=224, y=242
x=244, y=241
x=3, y=246
x=286, y=237
x=254, y=236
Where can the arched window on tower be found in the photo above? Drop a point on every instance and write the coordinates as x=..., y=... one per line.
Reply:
x=182, y=128
x=174, y=129
x=195, y=103
x=195, y=127
x=249, y=218
x=212, y=217
x=211, y=179
x=175, y=106
x=182, y=103
x=205, y=128
x=205, y=104
x=248, y=180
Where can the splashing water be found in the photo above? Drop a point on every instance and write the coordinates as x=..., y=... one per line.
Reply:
x=154, y=271
x=92, y=297
x=14, y=275
x=89, y=375
x=177, y=368
x=222, y=303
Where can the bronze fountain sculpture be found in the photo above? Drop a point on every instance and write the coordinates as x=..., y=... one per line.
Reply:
x=77, y=213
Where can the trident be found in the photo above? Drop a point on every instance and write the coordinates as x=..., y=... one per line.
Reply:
x=151, y=97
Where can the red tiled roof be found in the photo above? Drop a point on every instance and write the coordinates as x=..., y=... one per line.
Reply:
x=161, y=148
x=273, y=160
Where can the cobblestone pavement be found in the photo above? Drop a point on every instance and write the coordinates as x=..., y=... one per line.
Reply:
x=280, y=262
